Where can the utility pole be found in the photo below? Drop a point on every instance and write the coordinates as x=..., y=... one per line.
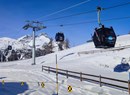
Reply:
x=36, y=26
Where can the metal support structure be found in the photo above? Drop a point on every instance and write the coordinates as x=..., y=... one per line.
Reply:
x=100, y=81
x=98, y=14
x=129, y=75
x=48, y=69
x=67, y=74
x=33, y=48
x=36, y=26
x=129, y=83
x=129, y=86
x=81, y=79
x=56, y=76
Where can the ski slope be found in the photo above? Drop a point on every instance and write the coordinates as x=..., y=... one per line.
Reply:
x=100, y=63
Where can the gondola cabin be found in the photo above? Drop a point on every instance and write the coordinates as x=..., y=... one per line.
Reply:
x=9, y=47
x=59, y=37
x=104, y=37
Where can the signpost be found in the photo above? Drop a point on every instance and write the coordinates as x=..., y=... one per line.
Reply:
x=69, y=88
x=42, y=85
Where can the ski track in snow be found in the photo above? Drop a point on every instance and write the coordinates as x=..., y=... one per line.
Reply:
x=29, y=77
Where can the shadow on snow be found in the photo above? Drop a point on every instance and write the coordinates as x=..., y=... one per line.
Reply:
x=12, y=88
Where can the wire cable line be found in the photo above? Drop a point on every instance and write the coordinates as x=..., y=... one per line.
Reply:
x=93, y=21
x=78, y=4
x=127, y=3
x=91, y=11
x=70, y=15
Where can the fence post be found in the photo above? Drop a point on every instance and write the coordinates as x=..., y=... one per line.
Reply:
x=48, y=69
x=81, y=76
x=100, y=80
x=57, y=83
x=67, y=73
x=42, y=68
x=129, y=86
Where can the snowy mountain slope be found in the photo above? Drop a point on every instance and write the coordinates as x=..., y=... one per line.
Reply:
x=101, y=63
x=25, y=39
x=41, y=40
x=5, y=41
x=9, y=41
x=24, y=42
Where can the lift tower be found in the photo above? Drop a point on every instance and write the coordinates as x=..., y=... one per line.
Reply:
x=36, y=26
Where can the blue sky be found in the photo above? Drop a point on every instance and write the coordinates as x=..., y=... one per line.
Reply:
x=14, y=13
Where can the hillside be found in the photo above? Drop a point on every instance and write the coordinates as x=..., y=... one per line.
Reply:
x=97, y=63
x=94, y=62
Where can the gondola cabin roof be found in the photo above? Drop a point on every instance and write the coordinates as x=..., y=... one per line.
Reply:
x=105, y=31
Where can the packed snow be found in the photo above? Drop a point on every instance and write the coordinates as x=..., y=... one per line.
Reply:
x=97, y=63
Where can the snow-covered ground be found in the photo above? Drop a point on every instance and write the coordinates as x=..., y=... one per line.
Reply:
x=97, y=63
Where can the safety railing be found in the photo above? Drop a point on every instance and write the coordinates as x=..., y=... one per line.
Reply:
x=101, y=80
